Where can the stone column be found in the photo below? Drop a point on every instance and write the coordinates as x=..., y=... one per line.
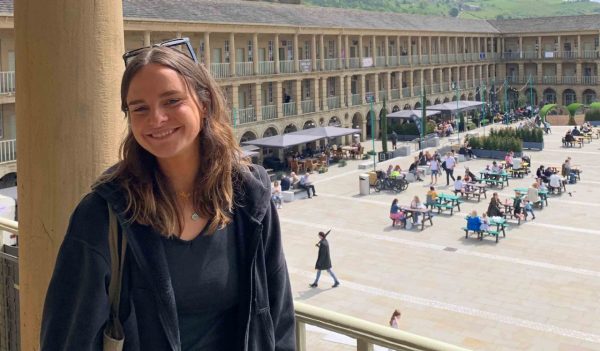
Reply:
x=388, y=85
x=374, y=50
x=324, y=93
x=441, y=78
x=341, y=91
x=322, y=51
x=339, y=52
x=521, y=47
x=419, y=49
x=422, y=80
x=431, y=78
x=579, y=49
x=298, y=95
x=363, y=89
x=346, y=52
x=315, y=93
x=73, y=82
x=232, y=59
x=147, y=41
x=360, y=50
x=255, y=53
x=411, y=83
x=276, y=57
x=387, y=50
x=539, y=73
x=559, y=50
x=429, y=48
x=257, y=97
x=410, y=50
x=540, y=47
x=295, y=53
x=348, y=90
x=579, y=70
x=313, y=52
x=279, y=98
x=399, y=78
x=521, y=71
x=235, y=97
x=398, y=53
x=207, y=50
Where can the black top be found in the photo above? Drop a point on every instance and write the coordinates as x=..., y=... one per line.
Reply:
x=323, y=260
x=204, y=275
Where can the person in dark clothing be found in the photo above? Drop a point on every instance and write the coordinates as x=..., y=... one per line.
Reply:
x=285, y=183
x=324, y=261
x=495, y=207
x=576, y=131
x=394, y=139
x=238, y=296
x=541, y=174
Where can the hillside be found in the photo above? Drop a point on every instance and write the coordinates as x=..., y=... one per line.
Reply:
x=478, y=9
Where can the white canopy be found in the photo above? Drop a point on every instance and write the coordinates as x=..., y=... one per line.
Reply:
x=454, y=106
x=283, y=141
x=327, y=132
x=409, y=114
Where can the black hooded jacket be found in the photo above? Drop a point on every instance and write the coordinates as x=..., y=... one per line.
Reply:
x=77, y=304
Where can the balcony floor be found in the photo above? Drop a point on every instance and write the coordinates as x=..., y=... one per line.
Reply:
x=537, y=289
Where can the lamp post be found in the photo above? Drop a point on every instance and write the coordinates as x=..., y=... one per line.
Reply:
x=370, y=99
x=505, y=100
x=455, y=87
x=530, y=81
x=482, y=91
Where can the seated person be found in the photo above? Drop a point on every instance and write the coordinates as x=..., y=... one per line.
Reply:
x=295, y=180
x=396, y=214
x=428, y=156
x=431, y=197
x=576, y=131
x=414, y=169
x=276, y=195
x=470, y=175
x=285, y=183
x=495, y=207
x=541, y=174
x=555, y=182
x=585, y=128
x=388, y=173
x=449, y=130
x=396, y=172
x=422, y=159
x=548, y=172
x=307, y=185
x=485, y=222
x=533, y=193
x=416, y=203
x=569, y=139
x=459, y=186
x=496, y=168
x=473, y=222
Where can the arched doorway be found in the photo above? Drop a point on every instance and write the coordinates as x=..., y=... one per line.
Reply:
x=290, y=128
x=453, y=98
x=370, y=117
x=406, y=107
x=334, y=122
x=589, y=96
x=417, y=105
x=357, y=123
x=446, y=99
x=569, y=96
x=309, y=124
x=528, y=94
x=463, y=97
x=550, y=96
x=271, y=131
x=437, y=101
x=395, y=108
x=470, y=97
x=428, y=103
x=247, y=137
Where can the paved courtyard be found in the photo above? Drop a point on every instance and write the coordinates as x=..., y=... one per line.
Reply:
x=537, y=289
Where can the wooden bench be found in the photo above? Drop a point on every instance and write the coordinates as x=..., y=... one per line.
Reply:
x=572, y=144
x=495, y=182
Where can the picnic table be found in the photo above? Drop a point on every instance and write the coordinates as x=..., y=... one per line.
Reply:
x=349, y=151
x=500, y=224
x=475, y=190
x=424, y=213
x=494, y=178
x=447, y=202
x=543, y=194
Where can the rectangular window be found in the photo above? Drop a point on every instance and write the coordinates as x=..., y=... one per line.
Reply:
x=250, y=51
x=270, y=57
x=201, y=52
x=306, y=50
x=307, y=88
x=331, y=49
x=226, y=49
x=270, y=93
x=290, y=50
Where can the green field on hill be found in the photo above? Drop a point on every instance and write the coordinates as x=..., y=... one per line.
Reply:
x=476, y=9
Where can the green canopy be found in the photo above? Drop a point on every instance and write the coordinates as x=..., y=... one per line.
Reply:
x=574, y=107
x=546, y=108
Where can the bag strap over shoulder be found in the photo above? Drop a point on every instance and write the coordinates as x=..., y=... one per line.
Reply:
x=116, y=276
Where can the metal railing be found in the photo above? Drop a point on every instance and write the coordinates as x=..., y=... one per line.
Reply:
x=289, y=109
x=380, y=61
x=333, y=102
x=382, y=95
x=475, y=56
x=266, y=67
x=404, y=60
x=8, y=150
x=590, y=54
x=286, y=66
x=269, y=112
x=393, y=60
x=443, y=58
x=568, y=55
x=219, y=70
x=367, y=334
x=307, y=106
x=460, y=58
x=569, y=79
x=330, y=64
x=247, y=115
x=511, y=55
x=589, y=80
x=549, y=80
x=354, y=62
x=395, y=94
x=305, y=65
x=435, y=59
x=425, y=59
x=7, y=82
x=405, y=92
x=451, y=58
x=436, y=88
x=244, y=68
x=530, y=55
x=356, y=99
x=415, y=59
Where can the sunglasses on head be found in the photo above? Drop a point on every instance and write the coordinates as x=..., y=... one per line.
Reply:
x=171, y=43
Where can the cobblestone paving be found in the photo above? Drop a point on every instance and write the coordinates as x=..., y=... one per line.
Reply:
x=537, y=289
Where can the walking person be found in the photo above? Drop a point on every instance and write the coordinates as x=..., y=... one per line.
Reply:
x=171, y=202
x=395, y=321
x=434, y=166
x=324, y=261
x=394, y=139
x=448, y=165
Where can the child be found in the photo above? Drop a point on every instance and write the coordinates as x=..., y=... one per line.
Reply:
x=485, y=222
x=459, y=186
x=396, y=214
x=528, y=208
x=431, y=197
x=518, y=210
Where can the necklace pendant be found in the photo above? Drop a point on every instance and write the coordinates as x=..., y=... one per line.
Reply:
x=195, y=216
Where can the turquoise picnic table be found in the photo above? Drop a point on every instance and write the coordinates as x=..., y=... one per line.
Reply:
x=494, y=178
x=500, y=224
x=447, y=202
x=542, y=193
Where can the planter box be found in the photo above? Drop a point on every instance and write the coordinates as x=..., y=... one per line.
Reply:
x=403, y=150
x=407, y=137
x=493, y=154
x=533, y=146
x=382, y=156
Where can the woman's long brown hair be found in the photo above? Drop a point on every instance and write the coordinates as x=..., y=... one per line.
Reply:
x=151, y=200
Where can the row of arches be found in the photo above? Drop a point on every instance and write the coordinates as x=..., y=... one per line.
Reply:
x=273, y=131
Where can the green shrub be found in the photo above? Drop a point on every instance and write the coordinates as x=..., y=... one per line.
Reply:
x=592, y=115
x=475, y=142
x=430, y=127
x=471, y=126
x=342, y=163
x=407, y=129
x=496, y=142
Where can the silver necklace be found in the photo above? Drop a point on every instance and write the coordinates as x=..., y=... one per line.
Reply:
x=195, y=216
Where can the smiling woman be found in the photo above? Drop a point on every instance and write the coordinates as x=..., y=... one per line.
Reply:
x=203, y=263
